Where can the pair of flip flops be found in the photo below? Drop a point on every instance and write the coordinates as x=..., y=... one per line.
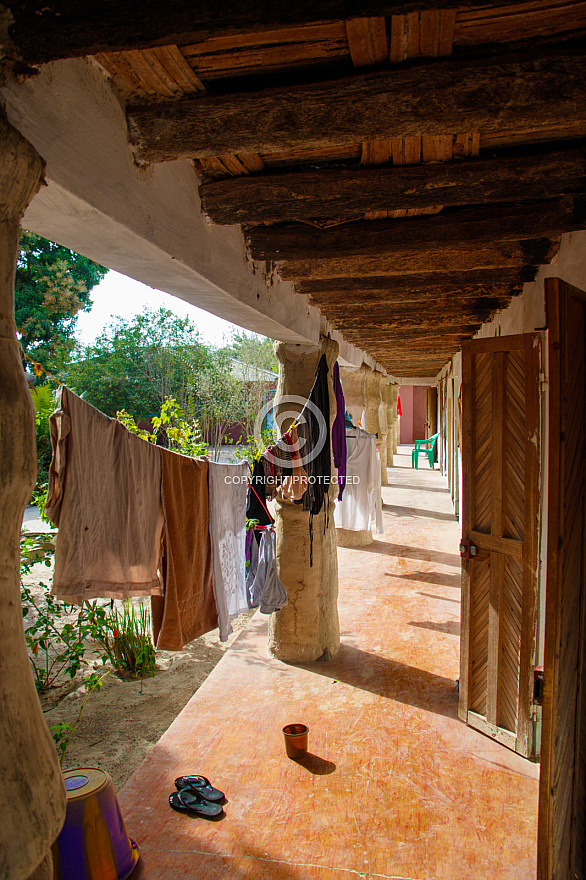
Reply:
x=196, y=795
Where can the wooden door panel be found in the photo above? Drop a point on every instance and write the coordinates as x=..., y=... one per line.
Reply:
x=562, y=801
x=500, y=461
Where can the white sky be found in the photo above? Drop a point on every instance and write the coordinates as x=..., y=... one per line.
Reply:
x=118, y=295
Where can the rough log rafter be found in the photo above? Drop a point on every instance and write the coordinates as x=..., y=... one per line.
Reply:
x=549, y=88
x=72, y=28
x=463, y=256
x=435, y=284
x=416, y=312
x=270, y=198
x=368, y=238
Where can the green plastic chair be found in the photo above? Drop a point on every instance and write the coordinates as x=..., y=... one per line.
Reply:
x=427, y=447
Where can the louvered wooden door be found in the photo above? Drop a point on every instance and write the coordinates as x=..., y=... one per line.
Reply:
x=562, y=797
x=500, y=439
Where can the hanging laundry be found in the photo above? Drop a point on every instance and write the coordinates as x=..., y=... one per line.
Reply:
x=256, y=505
x=252, y=560
x=361, y=506
x=294, y=484
x=273, y=476
x=227, y=500
x=188, y=608
x=319, y=463
x=105, y=496
x=266, y=589
x=339, y=450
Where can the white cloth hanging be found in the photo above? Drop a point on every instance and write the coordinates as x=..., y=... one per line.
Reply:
x=361, y=506
x=266, y=589
x=227, y=505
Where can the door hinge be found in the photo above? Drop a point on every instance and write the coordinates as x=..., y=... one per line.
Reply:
x=467, y=549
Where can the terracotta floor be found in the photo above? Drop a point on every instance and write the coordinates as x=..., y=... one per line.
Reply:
x=395, y=786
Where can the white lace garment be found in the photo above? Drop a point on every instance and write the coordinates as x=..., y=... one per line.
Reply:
x=227, y=504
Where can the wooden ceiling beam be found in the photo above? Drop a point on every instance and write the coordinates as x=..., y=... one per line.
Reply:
x=348, y=192
x=411, y=314
x=71, y=28
x=435, y=98
x=388, y=332
x=481, y=281
x=332, y=304
x=481, y=224
x=461, y=257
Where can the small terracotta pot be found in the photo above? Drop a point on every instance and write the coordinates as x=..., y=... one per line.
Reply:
x=296, y=740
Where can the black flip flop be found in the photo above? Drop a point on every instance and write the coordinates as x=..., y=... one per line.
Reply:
x=201, y=785
x=189, y=801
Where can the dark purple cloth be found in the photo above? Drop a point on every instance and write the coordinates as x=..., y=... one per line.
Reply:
x=339, y=432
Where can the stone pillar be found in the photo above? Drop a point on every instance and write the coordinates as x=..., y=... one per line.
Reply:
x=353, y=381
x=373, y=419
x=354, y=387
x=307, y=628
x=32, y=793
x=392, y=395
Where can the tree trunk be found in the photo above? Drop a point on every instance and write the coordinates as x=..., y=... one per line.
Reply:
x=32, y=794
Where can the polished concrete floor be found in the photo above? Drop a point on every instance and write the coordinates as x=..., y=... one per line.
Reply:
x=394, y=785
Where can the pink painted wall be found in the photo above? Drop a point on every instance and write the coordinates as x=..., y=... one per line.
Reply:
x=419, y=412
x=406, y=395
x=414, y=407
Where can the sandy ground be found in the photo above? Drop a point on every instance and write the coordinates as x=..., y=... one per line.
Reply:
x=120, y=724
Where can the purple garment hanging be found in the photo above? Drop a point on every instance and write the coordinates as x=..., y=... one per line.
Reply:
x=339, y=432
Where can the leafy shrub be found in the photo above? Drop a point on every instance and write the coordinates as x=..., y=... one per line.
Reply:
x=126, y=637
x=56, y=649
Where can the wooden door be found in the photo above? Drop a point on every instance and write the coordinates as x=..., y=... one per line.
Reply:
x=500, y=440
x=562, y=798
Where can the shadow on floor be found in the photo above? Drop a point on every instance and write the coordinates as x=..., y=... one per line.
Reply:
x=429, y=577
x=316, y=765
x=396, y=486
x=396, y=510
x=390, y=679
x=451, y=627
x=439, y=598
x=412, y=553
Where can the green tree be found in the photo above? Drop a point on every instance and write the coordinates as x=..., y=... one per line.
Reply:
x=52, y=285
x=250, y=348
x=136, y=363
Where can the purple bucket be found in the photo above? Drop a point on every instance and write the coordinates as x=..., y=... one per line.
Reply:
x=93, y=844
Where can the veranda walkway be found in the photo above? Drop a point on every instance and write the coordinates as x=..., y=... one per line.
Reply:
x=395, y=786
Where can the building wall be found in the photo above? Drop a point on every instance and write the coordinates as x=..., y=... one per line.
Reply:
x=406, y=398
x=414, y=412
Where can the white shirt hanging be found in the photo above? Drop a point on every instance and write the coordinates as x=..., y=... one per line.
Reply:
x=361, y=505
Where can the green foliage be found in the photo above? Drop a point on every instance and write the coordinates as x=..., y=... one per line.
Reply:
x=44, y=401
x=183, y=434
x=136, y=363
x=56, y=649
x=63, y=731
x=219, y=397
x=52, y=285
x=251, y=450
x=250, y=348
x=126, y=638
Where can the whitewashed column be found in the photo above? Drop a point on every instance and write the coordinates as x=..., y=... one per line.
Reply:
x=307, y=628
x=392, y=396
x=373, y=419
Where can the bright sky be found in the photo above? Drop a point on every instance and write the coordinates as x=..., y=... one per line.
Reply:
x=118, y=295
